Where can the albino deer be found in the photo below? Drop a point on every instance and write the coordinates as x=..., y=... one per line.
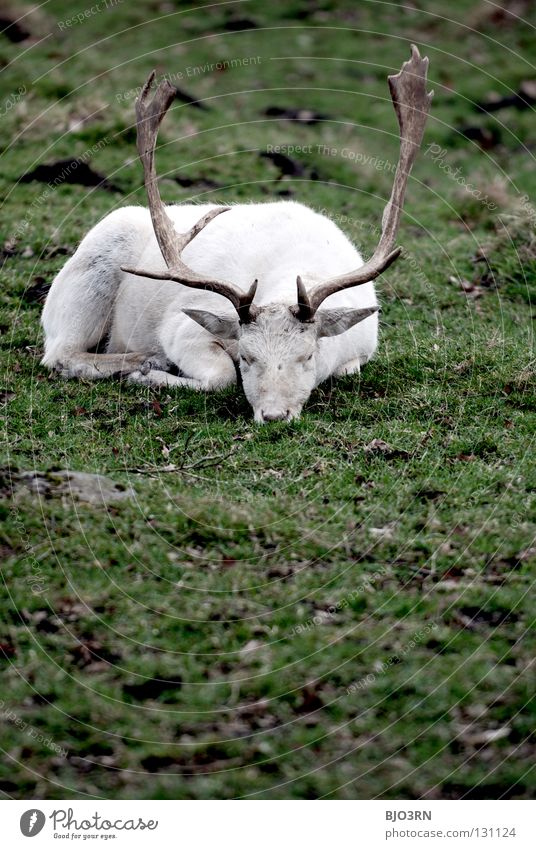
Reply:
x=157, y=284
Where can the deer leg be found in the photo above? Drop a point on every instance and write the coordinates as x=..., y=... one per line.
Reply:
x=350, y=367
x=82, y=364
x=211, y=381
x=203, y=365
x=155, y=377
x=201, y=360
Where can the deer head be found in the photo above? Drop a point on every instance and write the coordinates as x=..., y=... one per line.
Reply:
x=276, y=345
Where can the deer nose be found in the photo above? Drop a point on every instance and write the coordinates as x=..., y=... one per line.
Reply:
x=275, y=416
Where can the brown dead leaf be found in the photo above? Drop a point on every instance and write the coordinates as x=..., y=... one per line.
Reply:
x=228, y=562
x=470, y=288
x=379, y=446
x=7, y=650
x=311, y=700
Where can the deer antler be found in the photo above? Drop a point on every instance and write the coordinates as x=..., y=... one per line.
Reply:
x=149, y=116
x=412, y=104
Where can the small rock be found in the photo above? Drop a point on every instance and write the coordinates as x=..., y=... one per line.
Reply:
x=82, y=486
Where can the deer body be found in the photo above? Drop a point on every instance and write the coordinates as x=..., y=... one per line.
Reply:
x=91, y=298
x=265, y=241
x=273, y=290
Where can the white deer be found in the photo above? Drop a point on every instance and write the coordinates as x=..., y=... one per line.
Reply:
x=301, y=306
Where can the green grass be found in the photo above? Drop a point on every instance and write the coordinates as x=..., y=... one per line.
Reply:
x=263, y=583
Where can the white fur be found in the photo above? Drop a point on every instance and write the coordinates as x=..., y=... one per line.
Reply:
x=91, y=298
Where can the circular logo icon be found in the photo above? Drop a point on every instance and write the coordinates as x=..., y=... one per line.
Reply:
x=31, y=822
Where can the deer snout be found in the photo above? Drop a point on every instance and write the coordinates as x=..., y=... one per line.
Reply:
x=275, y=415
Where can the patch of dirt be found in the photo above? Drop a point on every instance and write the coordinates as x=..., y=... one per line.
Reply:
x=24, y=22
x=237, y=24
x=472, y=617
x=486, y=137
x=12, y=29
x=197, y=183
x=485, y=790
x=184, y=97
x=37, y=293
x=300, y=115
x=498, y=15
x=289, y=167
x=152, y=688
x=213, y=758
x=523, y=98
x=72, y=171
x=92, y=652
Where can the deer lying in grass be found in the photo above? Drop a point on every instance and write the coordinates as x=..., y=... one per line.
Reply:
x=157, y=284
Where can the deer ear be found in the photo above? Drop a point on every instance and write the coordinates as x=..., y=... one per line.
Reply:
x=225, y=328
x=333, y=322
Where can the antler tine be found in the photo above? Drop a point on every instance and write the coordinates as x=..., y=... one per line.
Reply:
x=412, y=105
x=303, y=311
x=149, y=115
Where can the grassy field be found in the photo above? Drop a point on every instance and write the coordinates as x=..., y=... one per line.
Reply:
x=296, y=610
